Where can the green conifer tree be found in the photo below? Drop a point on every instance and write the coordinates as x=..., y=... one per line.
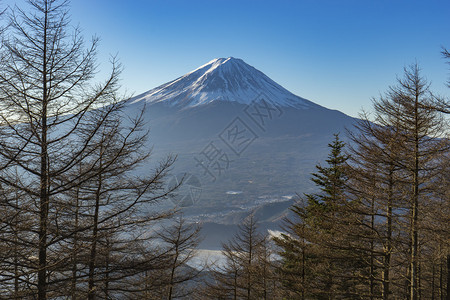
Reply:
x=312, y=252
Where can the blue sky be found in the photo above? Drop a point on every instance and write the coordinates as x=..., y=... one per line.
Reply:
x=338, y=54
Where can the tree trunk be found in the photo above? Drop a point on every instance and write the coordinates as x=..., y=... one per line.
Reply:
x=372, y=252
x=106, y=289
x=75, y=245
x=388, y=249
x=44, y=180
x=172, y=271
x=93, y=254
x=303, y=270
x=16, y=256
x=448, y=276
x=415, y=206
x=235, y=286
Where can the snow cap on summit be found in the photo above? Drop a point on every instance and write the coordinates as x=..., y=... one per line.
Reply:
x=222, y=79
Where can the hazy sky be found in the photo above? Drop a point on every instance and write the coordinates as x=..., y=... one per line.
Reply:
x=337, y=53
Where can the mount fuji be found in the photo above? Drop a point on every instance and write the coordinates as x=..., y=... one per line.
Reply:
x=244, y=142
x=222, y=79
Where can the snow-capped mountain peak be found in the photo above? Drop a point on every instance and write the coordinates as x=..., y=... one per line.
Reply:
x=222, y=79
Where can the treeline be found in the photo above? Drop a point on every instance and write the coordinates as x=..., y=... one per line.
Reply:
x=379, y=226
